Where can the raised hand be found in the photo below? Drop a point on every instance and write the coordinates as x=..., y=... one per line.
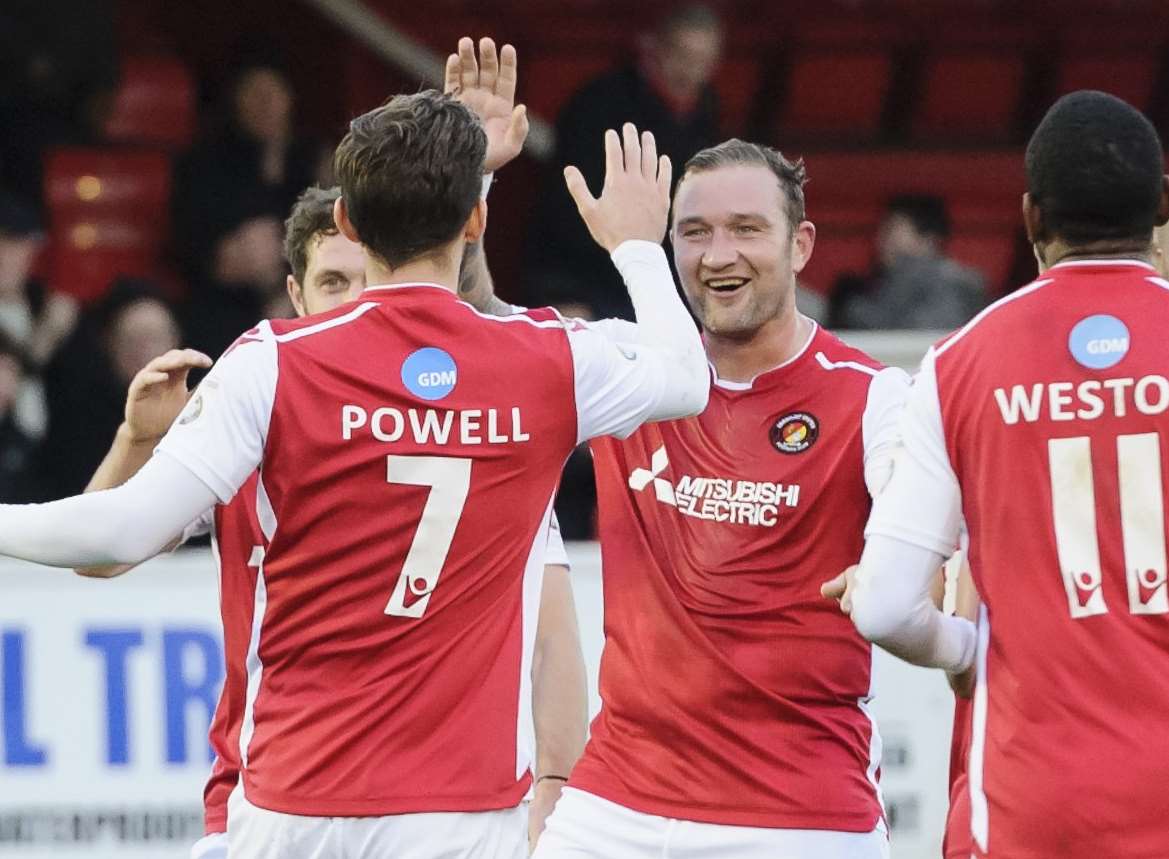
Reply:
x=635, y=199
x=487, y=86
x=158, y=393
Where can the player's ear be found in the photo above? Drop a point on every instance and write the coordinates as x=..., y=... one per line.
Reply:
x=296, y=294
x=803, y=241
x=341, y=217
x=476, y=224
x=1163, y=205
x=1033, y=221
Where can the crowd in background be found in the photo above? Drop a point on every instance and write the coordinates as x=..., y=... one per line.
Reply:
x=65, y=366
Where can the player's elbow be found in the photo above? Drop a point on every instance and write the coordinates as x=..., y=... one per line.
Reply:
x=104, y=571
x=876, y=622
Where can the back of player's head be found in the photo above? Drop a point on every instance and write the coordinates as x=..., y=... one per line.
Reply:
x=311, y=219
x=791, y=175
x=927, y=213
x=1094, y=169
x=410, y=173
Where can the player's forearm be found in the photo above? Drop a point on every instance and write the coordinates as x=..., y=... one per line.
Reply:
x=891, y=607
x=665, y=327
x=123, y=460
x=559, y=687
x=124, y=525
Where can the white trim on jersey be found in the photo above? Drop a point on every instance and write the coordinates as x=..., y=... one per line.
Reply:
x=1079, y=263
x=255, y=668
x=823, y=361
x=728, y=385
x=1158, y=281
x=876, y=744
x=388, y=286
x=986, y=311
x=359, y=310
x=558, y=322
x=979, y=810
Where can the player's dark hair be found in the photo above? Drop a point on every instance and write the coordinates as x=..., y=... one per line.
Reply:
x=927, y=213
x=411, y=172
x=311, y=220
x=791, y=175
x=1094, y=168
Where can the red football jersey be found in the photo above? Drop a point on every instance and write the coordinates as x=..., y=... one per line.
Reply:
x=395, y=616
x=1045, y=418
x=238, y=545
x=733, y=693
x=957, y=843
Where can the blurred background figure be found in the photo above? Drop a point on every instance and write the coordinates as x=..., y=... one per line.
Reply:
x=231, y=193
x=58, y=67
x=18, y=447
x=33, y=320
x=666, y=89
x=914, y=284
x=87, y=381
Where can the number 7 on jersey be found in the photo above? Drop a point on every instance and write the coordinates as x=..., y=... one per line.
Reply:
x=449, y=479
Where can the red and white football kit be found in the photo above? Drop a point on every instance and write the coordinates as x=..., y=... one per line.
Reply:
x=1045, y=421
x=735, y=698
x=239, y=546
x=410, y=449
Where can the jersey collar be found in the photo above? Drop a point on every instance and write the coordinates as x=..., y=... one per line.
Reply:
x=383, y=290
x=1097, y=263
x=728, y=385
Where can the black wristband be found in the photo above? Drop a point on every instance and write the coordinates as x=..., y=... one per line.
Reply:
x=557, y=777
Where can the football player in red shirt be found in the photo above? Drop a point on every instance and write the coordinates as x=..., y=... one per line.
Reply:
x=1043, y=424
x=735, y=718
x=383, y=706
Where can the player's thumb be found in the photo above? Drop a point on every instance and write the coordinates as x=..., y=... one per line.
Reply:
x=834, y=588
x=579, y=189
x=517, y=129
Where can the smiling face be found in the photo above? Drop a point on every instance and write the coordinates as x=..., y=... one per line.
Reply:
x=735, y=251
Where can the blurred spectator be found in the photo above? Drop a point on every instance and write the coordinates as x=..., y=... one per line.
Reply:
x=58, y=68
x=666, y=91
x=35, y=321
x=17, y=447
x=231, y=195
x=88, y=380
x=914, y=285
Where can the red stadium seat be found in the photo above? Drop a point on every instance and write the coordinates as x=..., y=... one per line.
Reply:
x=737, y=83
x=970, y=94
x=837, y=92
x=108, y=215
x=154, y=103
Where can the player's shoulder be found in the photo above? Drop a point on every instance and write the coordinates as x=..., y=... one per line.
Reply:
x=1018, y=307
x=292, y=330
x=831, y=354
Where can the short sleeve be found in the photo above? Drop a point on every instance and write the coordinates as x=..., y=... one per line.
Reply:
x=221, y=433
x=922, y=504
x=880, y=426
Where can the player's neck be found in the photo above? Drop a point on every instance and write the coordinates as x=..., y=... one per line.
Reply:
x=741, y=359
x=438, y=270
x=1057, y=252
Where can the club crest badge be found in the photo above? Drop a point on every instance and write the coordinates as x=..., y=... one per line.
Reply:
x=795, y=433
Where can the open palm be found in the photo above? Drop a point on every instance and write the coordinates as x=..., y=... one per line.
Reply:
x=487, y=86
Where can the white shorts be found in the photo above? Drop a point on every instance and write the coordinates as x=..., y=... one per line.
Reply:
x=257, y=833
x=584, y=826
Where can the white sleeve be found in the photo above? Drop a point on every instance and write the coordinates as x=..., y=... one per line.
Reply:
x=880, y=426
x=212, y=846
x=199, y=527
x=616, y=330
x=892, y=607
x=555, y=554
x=922, y=503
x=125, y=525
x=221, y=433
x=620, y=386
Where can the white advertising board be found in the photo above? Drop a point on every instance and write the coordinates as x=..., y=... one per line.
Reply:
x=107, y=689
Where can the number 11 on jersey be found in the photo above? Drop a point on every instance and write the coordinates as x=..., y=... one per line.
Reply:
x=1142, y=523
x=449, y=480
